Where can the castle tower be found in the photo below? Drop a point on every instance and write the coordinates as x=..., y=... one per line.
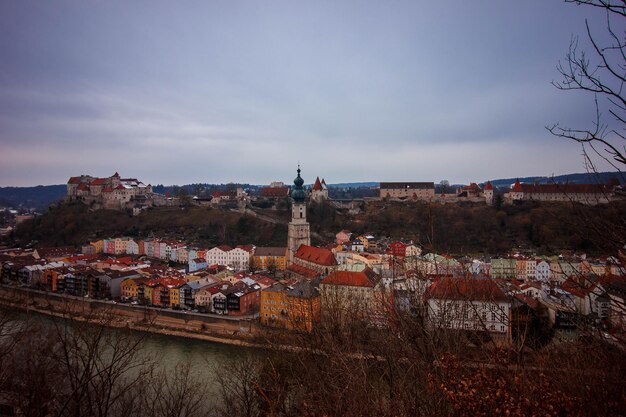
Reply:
x=488, y=191
x=298, y=231
x=319, y=192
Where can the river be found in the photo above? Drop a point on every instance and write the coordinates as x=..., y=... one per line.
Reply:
x=167, y=351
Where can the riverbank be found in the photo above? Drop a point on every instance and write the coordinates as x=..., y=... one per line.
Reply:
x=230, y=331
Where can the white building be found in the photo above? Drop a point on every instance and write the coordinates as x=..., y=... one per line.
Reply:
x=469, y=304
x=218, y=255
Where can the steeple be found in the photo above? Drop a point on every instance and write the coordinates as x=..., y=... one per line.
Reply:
x=298, y=194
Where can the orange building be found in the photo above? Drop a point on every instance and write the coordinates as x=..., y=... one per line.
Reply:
x=268, y=258
x=291, y=307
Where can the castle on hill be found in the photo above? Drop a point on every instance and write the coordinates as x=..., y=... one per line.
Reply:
x=112, y=192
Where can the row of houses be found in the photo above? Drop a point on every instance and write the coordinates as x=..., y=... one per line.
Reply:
x=350, y=247
x=207, y=294
x=321, y=289
x=238, y=258
x=131, y=279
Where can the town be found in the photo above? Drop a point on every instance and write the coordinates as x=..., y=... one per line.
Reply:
x=298, y=286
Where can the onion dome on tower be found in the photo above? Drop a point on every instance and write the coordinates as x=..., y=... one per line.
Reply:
x=298, y=194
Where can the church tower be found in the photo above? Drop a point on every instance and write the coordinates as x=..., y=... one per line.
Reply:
x=299, y=232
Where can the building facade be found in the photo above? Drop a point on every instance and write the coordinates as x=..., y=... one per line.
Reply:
x=407, y=190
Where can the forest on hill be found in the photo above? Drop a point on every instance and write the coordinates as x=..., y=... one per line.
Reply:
x=74, y=224
x=459, y=229
x=475, y=228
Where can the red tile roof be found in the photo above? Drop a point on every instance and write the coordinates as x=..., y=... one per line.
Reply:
x=365, y=278
x=318, y=185
x=474, y=289
x=472, y=187
x=559, y=188
x=99, y=181
x=531, y=302
x=315, y=255
x=578, y=286
x=247, y=248
x=62, y=251
x=301, y=270
x=488, y=186
x=274, y=192
x=74, y=180
x=263, y=280
x=229, y=193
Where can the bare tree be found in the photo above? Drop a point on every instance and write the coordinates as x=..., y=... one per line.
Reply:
x=599, y=70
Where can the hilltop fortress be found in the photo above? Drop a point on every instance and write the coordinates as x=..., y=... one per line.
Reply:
x=114, y=192
x=580, y=193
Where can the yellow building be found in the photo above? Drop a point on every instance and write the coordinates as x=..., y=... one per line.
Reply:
x=147, y=293
x=129, y=288
x=174, y=296
x=274, y=307
x=268, y=258
x=99, y=245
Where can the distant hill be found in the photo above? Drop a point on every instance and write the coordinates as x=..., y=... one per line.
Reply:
x=581, y=178
x=37, y=197
x=354, y=185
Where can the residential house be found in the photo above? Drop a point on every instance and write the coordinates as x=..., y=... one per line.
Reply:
x=346, y=295
x=132, y=247
x=218, y=255
x=54, y=254
x=182, y=255
x=98, y=245
x=204, y=296
x=475, y=304
x=543, y=273
x=269, y=258
x=197, y=264
x=343, y=237
x=239, y=258
x=242, y=299
x=129, y=288
x=505, y=268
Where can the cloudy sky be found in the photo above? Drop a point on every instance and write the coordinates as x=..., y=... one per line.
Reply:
x=240, y=91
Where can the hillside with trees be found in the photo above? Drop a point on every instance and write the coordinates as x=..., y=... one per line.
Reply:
x=465, y=228
x=475, y=228
x=75, y=224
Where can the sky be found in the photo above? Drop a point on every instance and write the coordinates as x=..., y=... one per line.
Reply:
x=241, y=91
